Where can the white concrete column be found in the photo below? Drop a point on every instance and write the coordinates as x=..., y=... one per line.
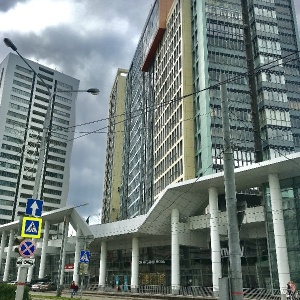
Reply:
x=63, y=259
x=279, y=232
x=30, y=270
x=2, y=246
x=8, y=255
x=135, y=265
x=29, y=274
x=175, y=263
x=77, y=256
x=215, y=239
x=21, y=283
x=44, y=250
x=102, y=269
x=18, y=274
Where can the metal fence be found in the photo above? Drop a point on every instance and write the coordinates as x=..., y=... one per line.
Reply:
x=194, y=291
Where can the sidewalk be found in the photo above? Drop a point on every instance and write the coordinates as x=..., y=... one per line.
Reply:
x=88, y=295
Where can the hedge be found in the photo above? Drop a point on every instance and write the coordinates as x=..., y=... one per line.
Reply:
x=8, y=292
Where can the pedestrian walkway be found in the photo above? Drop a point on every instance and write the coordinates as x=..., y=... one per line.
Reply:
x=108, y=296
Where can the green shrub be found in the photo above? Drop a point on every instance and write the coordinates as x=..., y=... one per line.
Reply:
x=8, y=292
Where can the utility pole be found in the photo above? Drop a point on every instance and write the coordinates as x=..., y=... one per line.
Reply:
x=236, y=280
x=61, y=265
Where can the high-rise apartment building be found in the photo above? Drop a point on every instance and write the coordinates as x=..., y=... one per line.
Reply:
x=173, y=125
x=173, y=128
x=158, y=146
x=114, y=148
x=24, y=99
x=256, y=44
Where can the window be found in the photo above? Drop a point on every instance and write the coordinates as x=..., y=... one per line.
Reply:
x=5, y=202
x=46, y=71
x=59, y=120
x=22, y=84
x=51, y=200
x=20, y=108
x=7, y=183
x=53, y=183
x=56, y=167
x=11, y=148
x=10, y=156
x=15, y=123
x=7, y=193
x=55, y=150
x=20, y=92
x=55, y=158
x=23, y=69
x=7, y=165
x=26, y=78
x=60, y=105
x=63, y=99
x=52, y=192
x=8, y=174
x=55, y=175
x=12, y=139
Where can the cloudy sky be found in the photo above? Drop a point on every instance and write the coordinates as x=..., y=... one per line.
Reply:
x=89, y=40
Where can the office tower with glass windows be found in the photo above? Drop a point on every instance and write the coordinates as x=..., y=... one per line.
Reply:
x=114, y=147
x=23, y=103
x=173, y=127
x=255, y=43
x=158, y=145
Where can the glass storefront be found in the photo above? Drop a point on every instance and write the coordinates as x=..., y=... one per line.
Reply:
x=195, y=265
x=290, y=190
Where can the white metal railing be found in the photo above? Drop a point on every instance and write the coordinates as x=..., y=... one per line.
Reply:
x=193, y=291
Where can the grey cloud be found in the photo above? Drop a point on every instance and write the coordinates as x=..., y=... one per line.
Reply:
x=93, y=59
x=6, y=5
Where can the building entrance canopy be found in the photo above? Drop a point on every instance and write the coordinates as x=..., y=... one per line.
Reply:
x=191, y=197
x=55, y=217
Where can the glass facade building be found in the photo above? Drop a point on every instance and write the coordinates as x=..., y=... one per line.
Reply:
x=256, y=44
x=158, y=145
x=173, y=126
x=290, y=189
x=184, y=48
x=113, y=166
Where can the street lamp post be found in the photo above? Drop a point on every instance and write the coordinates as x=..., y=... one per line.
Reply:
x=46, y=136
x=61, y=257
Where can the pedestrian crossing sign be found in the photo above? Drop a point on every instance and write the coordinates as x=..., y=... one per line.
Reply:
x=31, y=227
x=85, y=256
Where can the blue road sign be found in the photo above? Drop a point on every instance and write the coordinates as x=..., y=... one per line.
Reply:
x=34, y=207
x=85, y=256
x=27, y=248
x=31, y=227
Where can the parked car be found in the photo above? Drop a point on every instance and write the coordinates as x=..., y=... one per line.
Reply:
x=48, y=286
x=13, y=282
x=37, y=286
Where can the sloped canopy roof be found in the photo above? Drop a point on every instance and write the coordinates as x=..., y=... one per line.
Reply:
x=191, y=196
x=55, y=217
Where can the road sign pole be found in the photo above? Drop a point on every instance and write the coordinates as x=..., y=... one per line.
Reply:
x=81, y=285
x=21, y=283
